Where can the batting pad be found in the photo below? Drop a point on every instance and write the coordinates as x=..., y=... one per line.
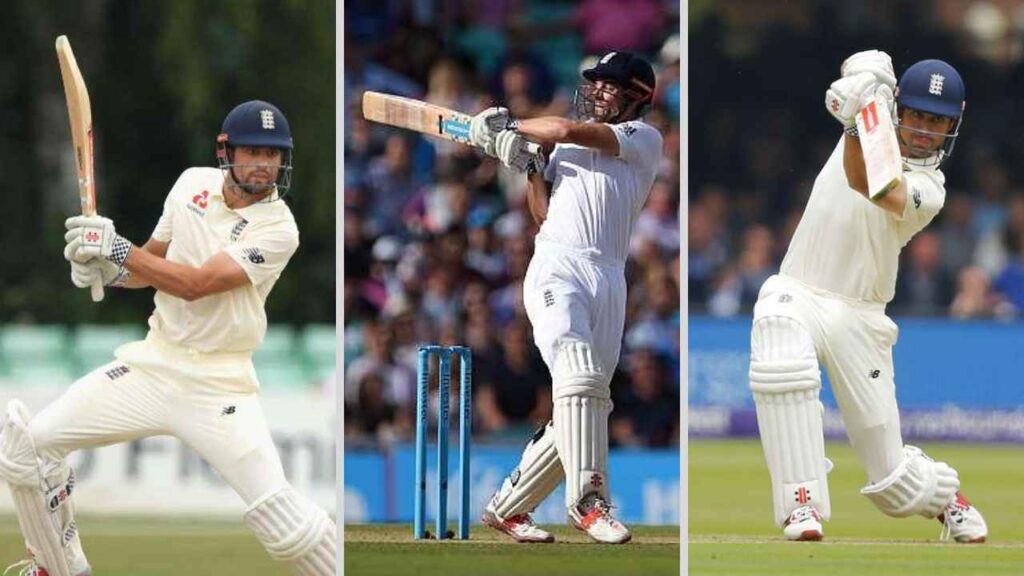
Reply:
x=42, y=498
x=296, y=531
x=538, y=474
x=578, y=372
x=919, y=485
x=785, y=381
x=581, y=435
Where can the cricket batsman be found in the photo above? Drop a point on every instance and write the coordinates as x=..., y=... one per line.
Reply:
x=587, y=185
x=827, y=305
x=221, y=243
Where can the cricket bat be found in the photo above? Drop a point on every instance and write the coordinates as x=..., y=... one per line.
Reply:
x=881, y=150
x=422, y=117
x=80, y=113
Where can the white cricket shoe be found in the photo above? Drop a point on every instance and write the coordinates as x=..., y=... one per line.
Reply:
x=804, y=524
x=28, y=567
x=520, y=527
x=962, y=522
x=593, y=516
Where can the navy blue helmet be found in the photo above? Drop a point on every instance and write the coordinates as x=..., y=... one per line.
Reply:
x=261, y=124
x=630, y=72
x=935, y=87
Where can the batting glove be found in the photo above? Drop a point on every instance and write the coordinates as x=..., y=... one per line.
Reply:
x=518, y=153
x=84, y=272
x=486, y=126
x=842, y=99
x=876, y=62
x=99, y=238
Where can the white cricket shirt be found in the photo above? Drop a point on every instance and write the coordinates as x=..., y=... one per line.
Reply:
x=849, y=246
x=596, y=198
x=198, y=224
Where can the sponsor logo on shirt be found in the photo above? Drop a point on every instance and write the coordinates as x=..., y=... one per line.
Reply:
x=237, y=230
x=917, y=199
x=117, y=371
x=628, y=129
x=200, y=203
x=228, y=410
x=254, y=256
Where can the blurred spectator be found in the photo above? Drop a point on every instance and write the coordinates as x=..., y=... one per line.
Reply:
x=923, y=286
x=645, y=409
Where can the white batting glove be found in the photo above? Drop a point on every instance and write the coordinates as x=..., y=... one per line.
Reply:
x=842, y=99
x=85, y=269
x=876, y=62
x=99, y=238
x=886, y=101
x=518, y=153
x=484, y=128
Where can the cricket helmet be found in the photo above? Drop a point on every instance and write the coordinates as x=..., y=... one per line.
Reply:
x=260, y=124
x=935, y=87
x=630, y=72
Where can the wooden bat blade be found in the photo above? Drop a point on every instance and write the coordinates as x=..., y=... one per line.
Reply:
x=80, y=116
x=417, y=115
x=880, y=147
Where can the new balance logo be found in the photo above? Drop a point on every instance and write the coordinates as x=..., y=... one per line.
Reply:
x=228, y=410
x=628, y=130
x=549, y=299
x=116, y=372
x=917, y=199
x=935, y=86
x=267, y=118
x=254, y=256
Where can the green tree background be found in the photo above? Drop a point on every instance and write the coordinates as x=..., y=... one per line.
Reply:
x=161, y=77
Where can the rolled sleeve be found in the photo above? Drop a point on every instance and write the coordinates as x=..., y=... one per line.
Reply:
x=926, y=193
x=264, y=255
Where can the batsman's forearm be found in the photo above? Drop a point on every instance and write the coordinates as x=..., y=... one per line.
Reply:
x=175, y=279
x=546, y=129
x=537, y=197
x=853, y=165
x=857, y=177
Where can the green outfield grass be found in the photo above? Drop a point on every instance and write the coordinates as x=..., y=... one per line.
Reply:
x=159, y=547
x=389, y=549
x=732, y=533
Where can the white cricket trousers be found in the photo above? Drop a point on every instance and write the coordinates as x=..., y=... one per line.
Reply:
x=571, y=296
x=156, y=388
x=853, y=341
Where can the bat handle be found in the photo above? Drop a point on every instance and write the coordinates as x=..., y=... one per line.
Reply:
x=97, y=290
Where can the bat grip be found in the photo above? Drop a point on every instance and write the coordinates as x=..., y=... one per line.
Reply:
x=97, y=290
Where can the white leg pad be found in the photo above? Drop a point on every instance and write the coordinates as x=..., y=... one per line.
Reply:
x=581, y=434
x=578, y=372
x=41, y=491
x=538, y=474
x=919, y=485
x=786, y=381
x=295, y=531
x=580, y=388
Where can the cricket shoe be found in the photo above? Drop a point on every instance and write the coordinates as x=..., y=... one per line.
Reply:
x=28, y=567
x=804, y=525
x=520, y=527
x=962, y=522
x=593, y=516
